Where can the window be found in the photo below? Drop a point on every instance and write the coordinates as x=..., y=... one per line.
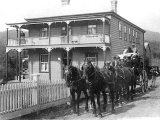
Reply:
x=44, y=63
x=91, y=29
x=136, y=37
x=129, y=32
x=44, y=32
x=133, y=39
x=93, y=57
x=120, y=30
x=64, y=30
x=125, y=32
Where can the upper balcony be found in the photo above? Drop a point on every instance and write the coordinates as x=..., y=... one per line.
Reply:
x=58, y=40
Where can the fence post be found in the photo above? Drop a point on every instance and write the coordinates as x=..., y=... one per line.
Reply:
x=35, y=82
x=38, y=94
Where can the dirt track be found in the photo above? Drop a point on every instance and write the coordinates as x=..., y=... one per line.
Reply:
x=144, y=106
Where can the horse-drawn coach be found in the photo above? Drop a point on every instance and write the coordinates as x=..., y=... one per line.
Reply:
x=141, y=73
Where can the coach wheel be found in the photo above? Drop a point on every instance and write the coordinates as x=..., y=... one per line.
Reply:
x=142, y=84
x=146, y=82
x=143, y=88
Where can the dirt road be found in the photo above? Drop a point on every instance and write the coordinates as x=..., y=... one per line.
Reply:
x=144, y=106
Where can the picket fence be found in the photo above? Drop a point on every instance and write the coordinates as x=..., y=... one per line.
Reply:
x=17, y=99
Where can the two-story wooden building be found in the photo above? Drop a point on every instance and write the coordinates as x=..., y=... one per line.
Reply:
x=55, y=41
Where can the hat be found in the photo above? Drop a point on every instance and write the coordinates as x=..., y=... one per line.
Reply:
x=108, y=62
x=133, y=44
x=118, y=57
x=114, y=57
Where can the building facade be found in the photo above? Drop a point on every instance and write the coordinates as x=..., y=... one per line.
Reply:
x=57, y=41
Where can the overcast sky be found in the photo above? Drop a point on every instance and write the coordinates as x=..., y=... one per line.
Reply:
x=144, y=13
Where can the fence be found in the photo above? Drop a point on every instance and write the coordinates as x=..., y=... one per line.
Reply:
x=17, y=99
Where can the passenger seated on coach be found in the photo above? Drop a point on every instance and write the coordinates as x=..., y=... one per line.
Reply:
x=128, y=62
x=134, y=49
x=127, y=50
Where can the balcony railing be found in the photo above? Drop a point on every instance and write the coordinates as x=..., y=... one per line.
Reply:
x=55, y=40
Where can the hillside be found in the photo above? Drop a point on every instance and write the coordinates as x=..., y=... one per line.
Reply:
x=152, y=36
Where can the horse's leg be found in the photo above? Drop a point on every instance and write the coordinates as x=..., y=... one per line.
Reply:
x=99, y=105
x=134, y=85
x=78, y=98
x=117, y=93
x=104, y=99
x=132, y=92
x=154, y=82
x=86, y=98
x=112, y=91
x=73, y=100
x=120, y=94
x=93, y=102
x=127, y=92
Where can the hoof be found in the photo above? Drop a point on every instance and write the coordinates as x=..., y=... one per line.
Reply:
x=100, y=115
x=95, y=115
x=78, y=114
x=104, y=108
x=113, y=111
x=87, y=110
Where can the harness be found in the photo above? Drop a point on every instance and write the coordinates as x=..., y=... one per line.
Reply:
x=78, y=78
x=122, y=72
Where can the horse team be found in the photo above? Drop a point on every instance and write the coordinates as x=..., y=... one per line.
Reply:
x=115, y=77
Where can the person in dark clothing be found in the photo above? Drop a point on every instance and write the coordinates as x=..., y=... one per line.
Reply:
x=128, y=62
x=110, y=67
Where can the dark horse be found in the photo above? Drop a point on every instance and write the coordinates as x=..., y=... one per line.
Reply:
x=137, y=68
x=128, y=75
x=98, y=80
x=77, y=84
x=119, y=84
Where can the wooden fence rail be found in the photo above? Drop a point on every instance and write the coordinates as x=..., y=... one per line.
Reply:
x=15, y=98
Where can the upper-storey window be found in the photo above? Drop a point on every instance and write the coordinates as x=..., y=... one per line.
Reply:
x=64, y=30
x=120, y=30
x=44, y=32
x=138, y=37
x=133, y=33
x=92, y=28
x=125, y=32
x=129, y=32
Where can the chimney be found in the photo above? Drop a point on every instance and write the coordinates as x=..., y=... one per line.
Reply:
x=114, y=5
x=65, y=2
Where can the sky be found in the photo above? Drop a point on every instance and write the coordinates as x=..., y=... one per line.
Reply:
x=143, y=13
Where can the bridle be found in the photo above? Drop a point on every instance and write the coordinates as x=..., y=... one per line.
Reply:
x=89, y=74
x=72, y=80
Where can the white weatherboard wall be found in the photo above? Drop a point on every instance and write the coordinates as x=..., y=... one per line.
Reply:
x=56, y=69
